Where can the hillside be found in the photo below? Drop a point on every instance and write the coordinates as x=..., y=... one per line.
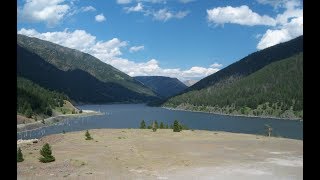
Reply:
x=35, y=101
x=252, y=62
x=163, y=86
x=275, y=90
x=84, y=78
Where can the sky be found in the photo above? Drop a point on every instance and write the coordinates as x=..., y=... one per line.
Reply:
x=186, y=39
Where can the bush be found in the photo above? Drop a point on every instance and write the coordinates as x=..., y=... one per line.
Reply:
x=19, y=156
x=88, y=136
x=142, y=125
x=176, y=126
x=154, y=126
x=161, y=125
x=80, y=111
x=46, y=154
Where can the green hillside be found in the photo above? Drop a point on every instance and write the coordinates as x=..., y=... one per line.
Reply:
x=34, y=100
x=84, y=78
x=252, y=62
x=275, y=90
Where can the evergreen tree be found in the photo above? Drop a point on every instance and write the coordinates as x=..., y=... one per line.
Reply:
x=176, y=126
x=156, y=124
x=46, y=154
x=167, y=127
x=161, y=125
x=19, y=156
x=154, y=127
x=142, y=125
x=88, y=136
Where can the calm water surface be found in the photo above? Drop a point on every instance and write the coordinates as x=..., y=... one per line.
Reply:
x=130, y=116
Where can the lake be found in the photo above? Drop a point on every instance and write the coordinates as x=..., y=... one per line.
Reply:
x=130, y=116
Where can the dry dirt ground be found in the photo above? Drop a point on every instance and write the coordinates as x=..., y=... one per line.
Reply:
x=142, y=154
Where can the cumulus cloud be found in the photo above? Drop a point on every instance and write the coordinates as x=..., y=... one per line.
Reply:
x=110, y=53
x=100, y=18
x=242, y=15
x=137, y=8
x=164, y=15
x=284, y=27
x=124, y=1
x=216, y=65
x=136, y=48
x=289, y=26
x=51, y=12
x=88, y=8
x=287, y=32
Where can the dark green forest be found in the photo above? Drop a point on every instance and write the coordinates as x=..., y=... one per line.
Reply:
x=35, y=100
x=275, y=90
x=252, y=62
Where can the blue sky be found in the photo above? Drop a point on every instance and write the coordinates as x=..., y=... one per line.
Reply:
x=187, y=39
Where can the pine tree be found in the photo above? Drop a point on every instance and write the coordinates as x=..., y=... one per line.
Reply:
x=161, y=125
x=88, y=136
x=46, y=153
x=142, y=125
x=19, y=156
x=176, y=126
x=154, y=127
x=156, y=124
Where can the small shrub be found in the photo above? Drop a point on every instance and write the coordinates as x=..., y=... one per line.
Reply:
x=142, y=125
x=19, y=156
x=176, y=126
x=88, y=136
x=80, y=111
x=161, y=125
x=46, y=154
x=154, y=126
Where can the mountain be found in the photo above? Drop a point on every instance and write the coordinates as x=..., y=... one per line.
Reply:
x=252, y=62
x=275, y=90
x=84, y=78
x=190, y=82
x=163, y=86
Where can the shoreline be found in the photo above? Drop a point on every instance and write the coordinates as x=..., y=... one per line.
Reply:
x=53, y=120
x=239, y=115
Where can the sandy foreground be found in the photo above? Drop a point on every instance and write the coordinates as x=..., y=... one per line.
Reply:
x=143, y=154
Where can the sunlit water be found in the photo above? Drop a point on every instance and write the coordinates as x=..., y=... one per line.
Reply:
x=130, y=116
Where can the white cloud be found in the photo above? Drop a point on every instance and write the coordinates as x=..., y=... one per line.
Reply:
x=100, y=18
x=164, y=15
x=287, y=32
x=124, y=1
x=242, y=15
x=88, y=8
x=216, y=65
x=51, y=12
x=110, y=53
x=137, y=8
x=136, y=48
x=289, y=26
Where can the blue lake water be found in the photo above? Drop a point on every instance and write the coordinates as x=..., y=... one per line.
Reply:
x=130, y=116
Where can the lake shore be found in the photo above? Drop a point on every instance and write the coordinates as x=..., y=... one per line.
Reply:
x=52, y=120
x=143, y=154
x=239, y=115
